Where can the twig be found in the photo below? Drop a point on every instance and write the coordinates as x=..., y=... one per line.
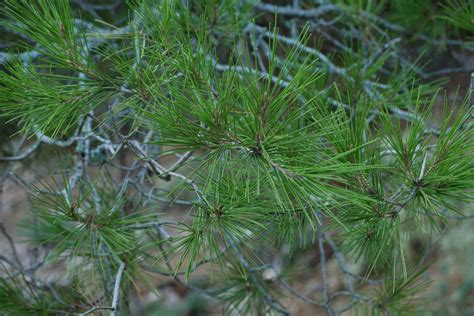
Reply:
x=116, y=297
x=95, y=308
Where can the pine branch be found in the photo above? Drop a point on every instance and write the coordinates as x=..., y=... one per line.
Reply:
x=277, y=141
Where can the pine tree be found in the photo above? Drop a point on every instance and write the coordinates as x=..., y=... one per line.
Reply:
x=261, y=134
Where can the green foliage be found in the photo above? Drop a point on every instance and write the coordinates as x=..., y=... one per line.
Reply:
x=223, y=19
x=399, y=296
x=274, y=145
x=50, y=85
x=60, y=38
x=443, y=175
x=39, y=100
x=18, y=298
x=419, y=16
x=241, y=294
x=13, y=302
x=461, y=14
x=92, y=236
